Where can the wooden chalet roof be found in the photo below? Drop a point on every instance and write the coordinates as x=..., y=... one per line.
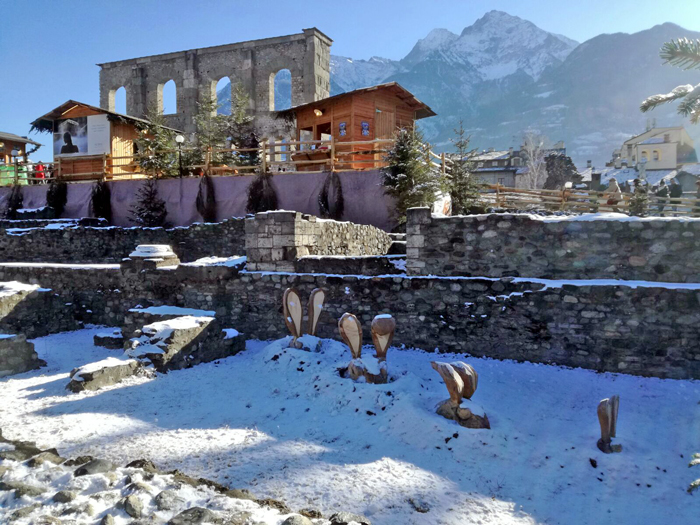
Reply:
x=422, y=110
x=45, y=122
x=11, y=137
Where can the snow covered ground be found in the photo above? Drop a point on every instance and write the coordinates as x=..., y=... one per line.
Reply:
x=283, y=423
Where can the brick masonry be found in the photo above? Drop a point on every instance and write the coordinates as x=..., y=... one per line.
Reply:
x=500, y=245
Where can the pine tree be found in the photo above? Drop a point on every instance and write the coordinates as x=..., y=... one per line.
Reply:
x=462, y=185
x=14, y=202
x=219, y=132
x=639, y=202
x=261, y=194
x=149, y=209
x=101, y=201
x=685, y=54
x=157, y=151
x=57, y=196
x=408, y=178
x=560, y=170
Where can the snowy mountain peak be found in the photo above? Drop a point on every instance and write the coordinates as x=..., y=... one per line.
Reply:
x=499, y=44
x=436, y=40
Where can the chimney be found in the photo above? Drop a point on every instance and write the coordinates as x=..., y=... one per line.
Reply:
x=618, y=162
x=491, y=150
x=589, y=164
x=648, y=124
x=510, y=150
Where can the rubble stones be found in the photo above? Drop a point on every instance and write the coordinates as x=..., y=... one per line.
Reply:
x=168, y=500
x=17, y=355
x=109, y=375
x=96, y=466
x=195, y=516
x=346, y=518
x=64, y=496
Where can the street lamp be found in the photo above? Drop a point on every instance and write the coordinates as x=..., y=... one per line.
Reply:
x=179, y=139
x=15, y=155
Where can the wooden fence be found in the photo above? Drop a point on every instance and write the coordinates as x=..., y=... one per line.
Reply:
x=585, y=201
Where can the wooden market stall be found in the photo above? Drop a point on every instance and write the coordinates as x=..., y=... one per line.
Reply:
x=91, y=142
x=354, y=120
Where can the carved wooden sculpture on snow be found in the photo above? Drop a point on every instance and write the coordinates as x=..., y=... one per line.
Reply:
x=461, y=381
x=315, y=308
x=374, y=368
x=293, y=314
x=607, y=417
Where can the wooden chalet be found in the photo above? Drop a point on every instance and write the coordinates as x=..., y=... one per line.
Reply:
x=90, y=142
x=10, y=142
x=360, y=116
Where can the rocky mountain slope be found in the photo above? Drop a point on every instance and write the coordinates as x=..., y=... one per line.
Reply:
x=503, y=75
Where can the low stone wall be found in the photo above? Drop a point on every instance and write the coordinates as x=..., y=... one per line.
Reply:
x=645, y=331
x=365, y=265
x=77, y=244
x=498, y=245
x=275, y=239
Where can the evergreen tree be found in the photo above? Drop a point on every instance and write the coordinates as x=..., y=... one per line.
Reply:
x=560, y=170
x=462, y=185
x=101, y=201
x=639, y=203
x=219, y=132
x=157, y=151
x=261, y=194
x=14, y=202
x=685, y=54
x=149, y=209
x=206, y=199
x=57, y=196
x=408, y=178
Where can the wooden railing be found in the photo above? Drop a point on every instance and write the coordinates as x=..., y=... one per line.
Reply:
x=585, y=201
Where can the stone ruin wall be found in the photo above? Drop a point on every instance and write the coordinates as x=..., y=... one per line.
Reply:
x=645, y=331
x=611, y=327
x=77, y=244
x=195, y=72
x=500, y=245
x=275, y=240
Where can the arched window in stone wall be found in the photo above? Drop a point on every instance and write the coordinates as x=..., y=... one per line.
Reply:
x=169, y=98
x=281, y=86
x=120, y=100
x=223, y=95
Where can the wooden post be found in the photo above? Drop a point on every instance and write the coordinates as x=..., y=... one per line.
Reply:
x=332, y=153
x=444, y=168
x=16, y=171
x=263, y=156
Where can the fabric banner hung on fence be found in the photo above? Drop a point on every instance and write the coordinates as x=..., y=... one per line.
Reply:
x=364, y=198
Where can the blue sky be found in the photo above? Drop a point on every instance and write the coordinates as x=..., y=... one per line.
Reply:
x=49, y=48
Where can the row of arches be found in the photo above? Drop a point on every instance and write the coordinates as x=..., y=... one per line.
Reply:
x=280, y=88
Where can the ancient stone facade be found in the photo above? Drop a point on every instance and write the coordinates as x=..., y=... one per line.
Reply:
x=17, y=355
x=275, y=239
x=253, y=63
x=77, y=244
x=500, y=245
x=644, y=331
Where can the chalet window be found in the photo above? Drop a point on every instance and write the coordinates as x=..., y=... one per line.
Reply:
x=480, y=165
x=656, y=155
x=517, y=161
x=494, y=163
x=502, y=181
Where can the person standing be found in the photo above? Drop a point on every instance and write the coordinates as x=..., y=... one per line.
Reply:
x=661, y=196
x=675, y=192
x=614, y=194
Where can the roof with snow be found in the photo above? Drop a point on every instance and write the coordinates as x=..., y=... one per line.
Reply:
x=627, y=175
x=492, y=155
x=653, y=140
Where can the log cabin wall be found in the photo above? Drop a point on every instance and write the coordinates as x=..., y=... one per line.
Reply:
x=123, y=136
x=381, y=110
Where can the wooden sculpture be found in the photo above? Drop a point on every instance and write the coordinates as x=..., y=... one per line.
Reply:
x=461, y=381
x=293, y=314
x=383, y=328
x=351, y=332
x=607, y=417
x=318, y=296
